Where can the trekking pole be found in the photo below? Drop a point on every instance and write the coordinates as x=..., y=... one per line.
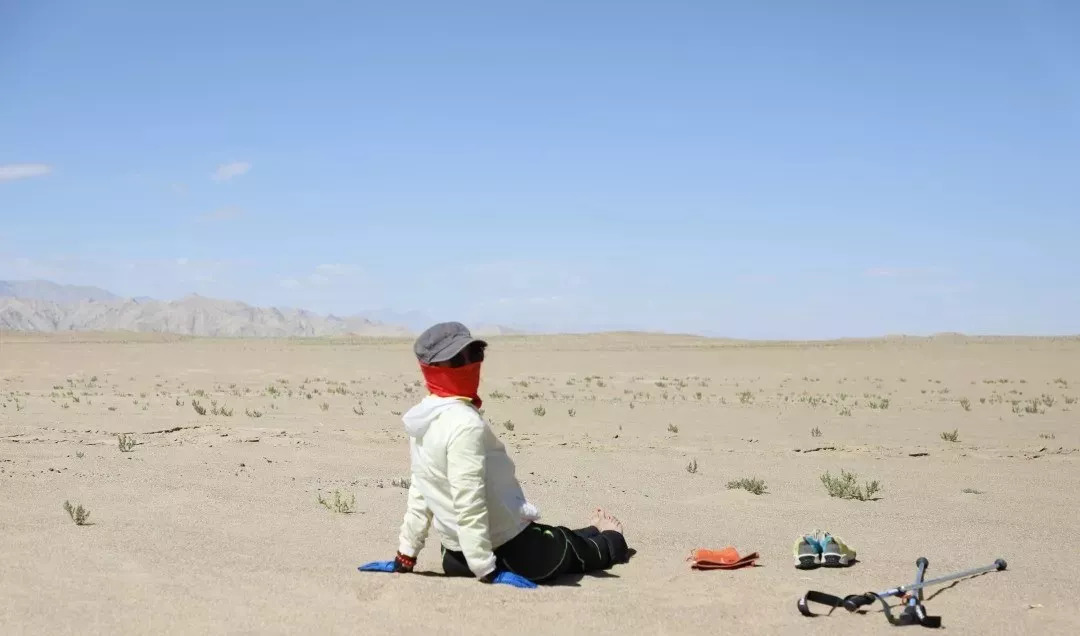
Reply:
x=922, y=564
x=854, y=602
x=915, y=611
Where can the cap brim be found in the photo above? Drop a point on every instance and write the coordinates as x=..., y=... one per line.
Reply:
x=455, y=346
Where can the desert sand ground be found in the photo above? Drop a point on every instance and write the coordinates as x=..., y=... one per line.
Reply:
x=211, y=524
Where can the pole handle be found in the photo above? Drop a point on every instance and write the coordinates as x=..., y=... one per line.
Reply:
x=855, y=601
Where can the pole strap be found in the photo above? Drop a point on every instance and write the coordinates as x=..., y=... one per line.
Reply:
x=912, y=614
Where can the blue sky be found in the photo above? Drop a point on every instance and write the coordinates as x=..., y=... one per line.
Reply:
x=753, y=169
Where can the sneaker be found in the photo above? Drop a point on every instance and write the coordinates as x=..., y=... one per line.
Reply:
x=835, y=553
x=807, y=552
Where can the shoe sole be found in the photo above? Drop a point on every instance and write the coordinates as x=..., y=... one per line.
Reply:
x=836, y=560
x=807, y=561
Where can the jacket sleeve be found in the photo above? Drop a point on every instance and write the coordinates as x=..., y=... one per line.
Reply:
x=415, y=526
x=465, y=470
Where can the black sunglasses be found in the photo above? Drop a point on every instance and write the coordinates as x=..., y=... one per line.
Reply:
x=469, y=355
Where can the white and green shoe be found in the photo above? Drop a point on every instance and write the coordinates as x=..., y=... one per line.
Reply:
x=807, y=552
x=835, y=553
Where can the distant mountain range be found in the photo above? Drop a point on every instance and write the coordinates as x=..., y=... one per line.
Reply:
x=47, y=306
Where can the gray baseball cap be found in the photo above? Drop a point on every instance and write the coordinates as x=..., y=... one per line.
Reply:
x=443, y=341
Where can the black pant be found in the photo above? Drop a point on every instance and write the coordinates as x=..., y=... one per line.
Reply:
x=541, y=553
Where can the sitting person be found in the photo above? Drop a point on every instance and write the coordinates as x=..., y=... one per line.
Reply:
x=464, y=484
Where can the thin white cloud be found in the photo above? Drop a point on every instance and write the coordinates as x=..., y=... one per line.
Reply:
x=518, y=278
x=902, y=272
x=231, y=170
x=324, y=275
x=530, y=301
x=161, y=273
x=756, y=279
x=23, y=268
x=227, y=213
x=15, y=171
x=336, y=269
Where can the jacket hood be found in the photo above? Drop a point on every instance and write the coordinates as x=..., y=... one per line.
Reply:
x=419, y=418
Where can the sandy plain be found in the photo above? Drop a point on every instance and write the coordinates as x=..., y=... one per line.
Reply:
x=211, y=523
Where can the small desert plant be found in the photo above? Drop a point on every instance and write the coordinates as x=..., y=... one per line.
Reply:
x=971, y=491
x=881, y=403
x=692, y=466
x=749, y=484
x=672, y=428
x=845, y=411
x=1069, y=399
x=358, y=409
x=1047, y=399
x=222, y=410
x=815, y=432
x=539, y=411
x=251, y=413
x=497, y=395
x=199, y=408
x=325, y=406
x=571, y=412
x=965, y=404
x=508, y=425
x=951, y=436
x=77, y=513
x=125, y=442
x=846, y=486
x=80, y=454
x=340, y=503
x=400, y=482
x=746, y=397
x=1046, y=436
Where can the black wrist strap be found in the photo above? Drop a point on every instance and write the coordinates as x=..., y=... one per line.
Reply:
x=828, y=600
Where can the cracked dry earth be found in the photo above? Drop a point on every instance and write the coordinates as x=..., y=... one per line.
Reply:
x=211, y=522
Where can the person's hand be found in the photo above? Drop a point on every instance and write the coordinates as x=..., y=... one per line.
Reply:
x=509, y=578
x=401, y=563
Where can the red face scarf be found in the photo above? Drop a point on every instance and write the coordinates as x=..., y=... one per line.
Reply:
x=460, y=382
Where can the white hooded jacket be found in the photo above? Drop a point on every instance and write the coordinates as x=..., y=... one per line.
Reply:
x=463, y=482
